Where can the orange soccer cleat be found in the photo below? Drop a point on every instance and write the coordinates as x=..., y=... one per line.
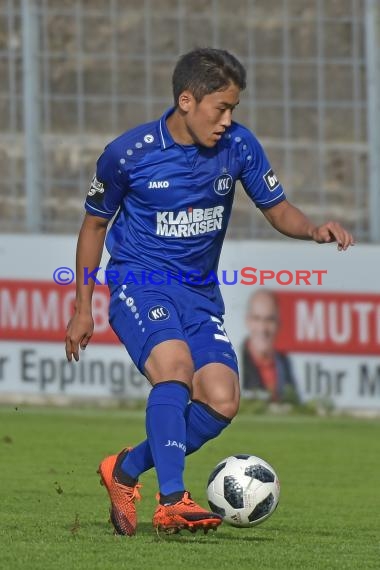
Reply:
x=123, y=511
x=184, y=515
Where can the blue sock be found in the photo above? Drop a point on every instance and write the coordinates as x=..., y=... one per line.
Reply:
x=202, y=424
x=166, y=430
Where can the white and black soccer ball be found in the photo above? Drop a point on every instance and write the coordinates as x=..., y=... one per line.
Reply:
x=244, y=489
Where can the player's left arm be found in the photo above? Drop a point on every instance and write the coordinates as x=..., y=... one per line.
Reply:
x=290, y=221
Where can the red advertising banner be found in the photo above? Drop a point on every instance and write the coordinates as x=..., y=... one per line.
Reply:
x=329, y=322
x=40, y=311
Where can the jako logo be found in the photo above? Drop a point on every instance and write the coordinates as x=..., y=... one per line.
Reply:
x=158, y=184
x=223, y=184
x=173, y=443
x=158, y=314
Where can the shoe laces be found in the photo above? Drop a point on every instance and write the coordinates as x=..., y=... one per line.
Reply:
x=186, y=499
x=132, y=493
x=135, y=494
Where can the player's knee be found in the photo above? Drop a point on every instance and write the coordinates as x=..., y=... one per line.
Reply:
x=180, y=370
x=170, y=361
x=176, y=368
x=227, y=407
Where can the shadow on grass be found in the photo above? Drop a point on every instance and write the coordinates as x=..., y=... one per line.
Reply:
x=146, y=530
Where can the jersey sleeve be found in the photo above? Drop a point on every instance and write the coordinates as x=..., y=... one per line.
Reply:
x=108, y=186
x=258, y=179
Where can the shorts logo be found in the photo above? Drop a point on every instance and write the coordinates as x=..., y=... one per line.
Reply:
x=95, y=187
x=271, y=180
x=223, y=184
x=158, y=313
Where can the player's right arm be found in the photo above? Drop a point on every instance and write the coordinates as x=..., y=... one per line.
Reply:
x=108, y=189
x=89, y=252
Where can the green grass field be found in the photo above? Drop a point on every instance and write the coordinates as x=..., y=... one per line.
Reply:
x=53, y=512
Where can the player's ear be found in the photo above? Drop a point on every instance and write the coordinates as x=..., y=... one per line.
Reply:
x=185, y=101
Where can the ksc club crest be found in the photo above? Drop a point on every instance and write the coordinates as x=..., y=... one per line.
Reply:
x=223, y=184
x=158, y=313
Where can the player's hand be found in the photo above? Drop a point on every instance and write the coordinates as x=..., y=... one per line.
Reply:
x=78, y=334
x=333, y=232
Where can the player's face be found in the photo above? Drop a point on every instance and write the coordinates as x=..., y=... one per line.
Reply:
x=206, y=121
x=262, y=323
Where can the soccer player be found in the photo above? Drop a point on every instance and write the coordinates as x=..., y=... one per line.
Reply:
x=171, y=185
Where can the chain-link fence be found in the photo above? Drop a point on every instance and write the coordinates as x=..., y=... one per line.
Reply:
x=76, y=73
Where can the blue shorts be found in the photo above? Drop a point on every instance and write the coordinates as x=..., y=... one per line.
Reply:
x=142, y=316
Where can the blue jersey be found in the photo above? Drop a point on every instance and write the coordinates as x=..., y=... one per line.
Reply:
x=173, y=202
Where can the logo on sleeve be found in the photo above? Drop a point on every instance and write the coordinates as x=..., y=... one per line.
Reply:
x=223, y=184
x=271, y=180
x=95, y=187
x=158, y=313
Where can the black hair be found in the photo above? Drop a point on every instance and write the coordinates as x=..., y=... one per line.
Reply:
x=206, y=70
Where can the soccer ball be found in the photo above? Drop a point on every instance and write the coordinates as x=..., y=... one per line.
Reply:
x=244, y=489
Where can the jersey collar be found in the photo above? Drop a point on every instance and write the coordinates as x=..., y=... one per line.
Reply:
x=166, y=140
